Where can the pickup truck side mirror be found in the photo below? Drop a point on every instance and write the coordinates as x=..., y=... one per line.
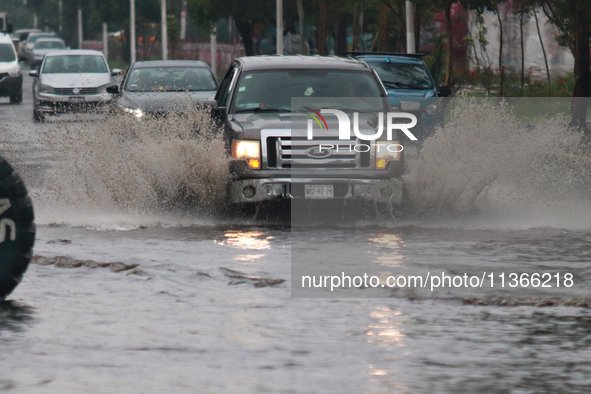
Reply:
x=113, y=89
x=116, y=71
x=444, y=91
x=33, y=73
x=217, y=113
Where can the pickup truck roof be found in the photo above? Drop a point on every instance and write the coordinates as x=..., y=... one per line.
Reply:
x=280, y=62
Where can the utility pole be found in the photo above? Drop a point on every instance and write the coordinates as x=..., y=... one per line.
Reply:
x=214, y=51
x=280, y=27
x=105, y=42
x=132, y=28
x=79, y=24
x=61, y=17
x=410, y=30
x=184, y=21
x=164, y=30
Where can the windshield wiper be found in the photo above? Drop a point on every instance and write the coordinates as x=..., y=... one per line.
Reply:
x=397, y=85
x=264, y=109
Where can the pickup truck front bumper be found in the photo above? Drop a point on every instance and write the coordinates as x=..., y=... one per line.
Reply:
x=267, y=189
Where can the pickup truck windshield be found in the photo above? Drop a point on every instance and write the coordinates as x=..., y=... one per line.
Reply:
x=273, y=89
x=403, y=76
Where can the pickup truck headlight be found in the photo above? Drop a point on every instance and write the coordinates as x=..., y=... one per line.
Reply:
x=433, y=108
x=249, y=151
x=45, y=89
x=387, y=151
x=15, y=73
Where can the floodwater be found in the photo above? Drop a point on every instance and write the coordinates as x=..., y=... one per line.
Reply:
x=126, y=295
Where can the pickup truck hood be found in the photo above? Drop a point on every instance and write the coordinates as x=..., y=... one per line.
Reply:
x=163, y=101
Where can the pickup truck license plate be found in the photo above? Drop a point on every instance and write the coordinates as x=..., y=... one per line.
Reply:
x=319, y=192
x=76, y=100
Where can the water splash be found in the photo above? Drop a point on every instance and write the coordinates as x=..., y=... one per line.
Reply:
x=124, y=171
x=511, y=171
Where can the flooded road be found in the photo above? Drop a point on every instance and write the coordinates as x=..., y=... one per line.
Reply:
x=126, y=298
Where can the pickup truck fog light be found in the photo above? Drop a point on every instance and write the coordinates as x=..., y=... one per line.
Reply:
x=249, y=192
x=386, y=192
x=254, y=163
x=362, y=190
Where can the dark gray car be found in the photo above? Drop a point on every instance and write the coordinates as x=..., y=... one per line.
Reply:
x=159, y=87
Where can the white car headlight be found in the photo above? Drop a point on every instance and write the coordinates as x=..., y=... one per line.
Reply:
x=247, y=150
x=433, y=108
x=138, y=113
x=103, y=89
x=45, y=89
x=15, y=73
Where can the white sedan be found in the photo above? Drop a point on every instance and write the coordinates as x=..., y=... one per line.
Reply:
x=71, y=81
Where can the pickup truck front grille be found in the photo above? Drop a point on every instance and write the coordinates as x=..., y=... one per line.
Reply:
x=298, y=152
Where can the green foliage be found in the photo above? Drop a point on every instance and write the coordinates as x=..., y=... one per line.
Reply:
x=174, y=28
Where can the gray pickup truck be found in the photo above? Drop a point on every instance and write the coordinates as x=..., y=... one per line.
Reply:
x=271, y=161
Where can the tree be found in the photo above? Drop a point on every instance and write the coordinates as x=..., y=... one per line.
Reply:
x=246, y=14
x=572, y=18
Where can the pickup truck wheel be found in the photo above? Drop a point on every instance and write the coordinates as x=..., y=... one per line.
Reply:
x=17, y=230
x=38, y=116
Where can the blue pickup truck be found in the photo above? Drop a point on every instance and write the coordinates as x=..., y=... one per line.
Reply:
x=409, y=84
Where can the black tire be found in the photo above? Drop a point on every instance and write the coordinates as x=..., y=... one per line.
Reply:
x=17, y=229
x=38, y=116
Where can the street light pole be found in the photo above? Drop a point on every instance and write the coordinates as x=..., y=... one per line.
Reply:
x=132, y=33
x=280, y=27
x=164, y=30
x=79, y=24
x=105, y=42
x=214, y=51
x=410, y=30
x=61, y=17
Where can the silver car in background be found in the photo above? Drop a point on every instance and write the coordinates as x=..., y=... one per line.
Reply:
x=26, y=48
x=71, y=81
x=43, y=46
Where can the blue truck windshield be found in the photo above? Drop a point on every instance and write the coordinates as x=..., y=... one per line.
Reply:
x=403, y=76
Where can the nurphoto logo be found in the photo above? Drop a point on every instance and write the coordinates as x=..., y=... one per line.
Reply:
x=392, y=119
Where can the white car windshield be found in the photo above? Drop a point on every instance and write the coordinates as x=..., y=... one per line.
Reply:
x=49, y=45
x=170, y=79
x=75, y=64
x=33, y=39
x=7, y=53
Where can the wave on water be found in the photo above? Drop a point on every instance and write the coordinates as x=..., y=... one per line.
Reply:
x=491, y=168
